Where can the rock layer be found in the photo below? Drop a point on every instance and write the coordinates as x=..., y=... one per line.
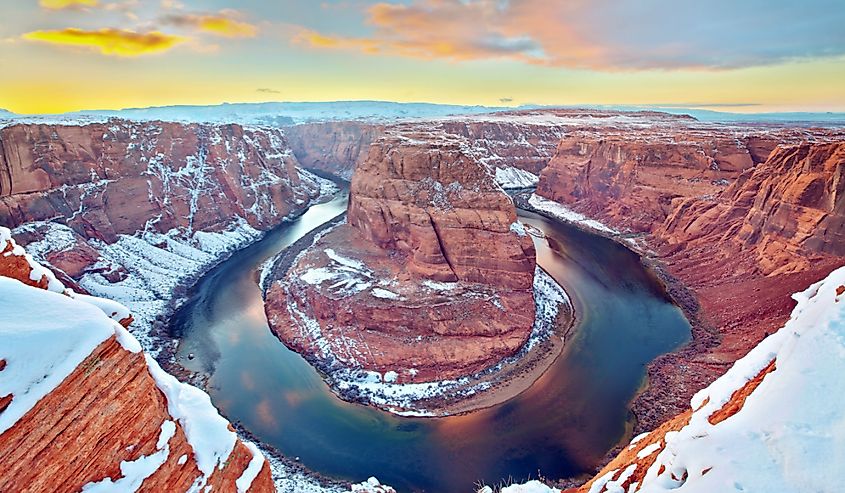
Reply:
x=431, y=278
x=108, y=410
x=122, y=177
x=743, y=234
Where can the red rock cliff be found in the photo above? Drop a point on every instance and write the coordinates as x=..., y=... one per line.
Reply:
x=442, y=208
x=122, y=177
x=106, y=413
x=333, y=147
x=743, y=234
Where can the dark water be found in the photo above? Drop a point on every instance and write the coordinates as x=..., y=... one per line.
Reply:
x=558, y=428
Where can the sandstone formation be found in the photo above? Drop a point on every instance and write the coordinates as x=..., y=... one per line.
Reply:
x=515, y=140
x=768, y=424
x=333, y=147
x=742, y=232
x=120, y=177
x=431, y=278
x=132, y=210
x=109, y=417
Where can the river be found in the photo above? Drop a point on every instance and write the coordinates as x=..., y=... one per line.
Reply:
x=560, y=427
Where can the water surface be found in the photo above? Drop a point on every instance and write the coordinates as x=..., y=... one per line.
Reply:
x=560, y=427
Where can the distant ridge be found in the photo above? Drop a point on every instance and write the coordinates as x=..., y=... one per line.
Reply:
x=289, y=113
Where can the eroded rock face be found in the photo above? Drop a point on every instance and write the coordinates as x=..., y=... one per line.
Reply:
x=440, y=207
x=430, y=279
x=333, y=147
x=122, y=177
x=789, y=210
x=108, y=410
x=633, y=179
x=742, y=234
x=135, y=210
x=512, y=140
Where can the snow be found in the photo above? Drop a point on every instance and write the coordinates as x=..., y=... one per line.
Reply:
x=637, y=439
x=789, y=434
x=403, y=398
x=38, y=271
x=440, y=286
x=371, y=485
x=207, y=432
x=384, y=294
x=518, y=228
x=564, y=213
x=529, y=487
x=510, y=177
x=251, y=472
x=114, y=310
x=133, y=473
x=348, y=276
x=648, y=450
x=44, y=337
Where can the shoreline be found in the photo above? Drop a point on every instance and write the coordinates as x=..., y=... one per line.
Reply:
x=702, y=335
x=492, y=386
x=506, y=384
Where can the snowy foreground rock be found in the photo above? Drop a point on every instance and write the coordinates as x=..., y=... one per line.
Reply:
x=774, y=422
x=82, y=408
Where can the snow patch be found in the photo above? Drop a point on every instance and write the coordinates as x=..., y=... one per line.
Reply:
x=564, y=213
x=510, y=177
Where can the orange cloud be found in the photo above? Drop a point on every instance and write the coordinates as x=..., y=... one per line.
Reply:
x=64, y=4
x=226, y=23
x=603, y=35
x=116, y=42
x=448, y=29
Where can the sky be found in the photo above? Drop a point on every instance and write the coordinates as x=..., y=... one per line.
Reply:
x=733, y=55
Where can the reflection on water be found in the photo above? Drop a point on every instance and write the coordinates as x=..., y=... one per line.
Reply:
x=559, y=427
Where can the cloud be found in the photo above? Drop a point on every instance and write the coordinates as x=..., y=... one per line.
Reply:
x=600, y=34
x=67, y=4
x=116, y=42
x=226, y=23
x=449, y=29
x=267, y=90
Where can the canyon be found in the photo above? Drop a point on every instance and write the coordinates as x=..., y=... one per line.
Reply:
x=430, y=277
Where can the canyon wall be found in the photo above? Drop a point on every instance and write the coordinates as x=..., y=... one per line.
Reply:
x=133, y=211
x=333, y=147
x=82, y=406
x=122, y=177
x=742, y=234
x=510, y=142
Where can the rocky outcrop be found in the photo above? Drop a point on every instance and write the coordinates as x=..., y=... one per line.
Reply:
x=100, y=413
x=765, y=425
x=431, y=278
x=440, y=207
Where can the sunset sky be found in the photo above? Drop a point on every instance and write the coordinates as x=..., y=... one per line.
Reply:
x=753, y=55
